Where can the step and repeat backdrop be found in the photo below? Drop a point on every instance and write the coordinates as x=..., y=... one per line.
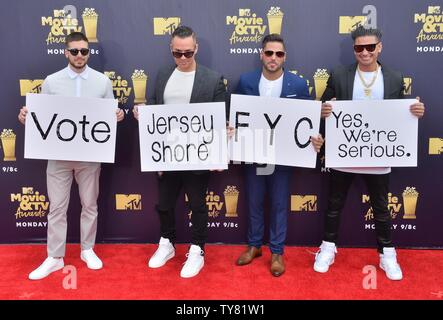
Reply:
x=129, y=41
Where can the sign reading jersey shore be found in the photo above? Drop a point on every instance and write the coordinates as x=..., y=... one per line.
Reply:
x=377, y=133
x=274, y=130
x=70, y=128
x=183, y=137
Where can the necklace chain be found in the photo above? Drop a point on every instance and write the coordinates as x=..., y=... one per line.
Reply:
x=368, y=86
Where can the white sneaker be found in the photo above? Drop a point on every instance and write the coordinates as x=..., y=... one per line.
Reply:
x=92, y=261
x=195, y=262
x=165, y=251
x=388, y=263
x=325, y=256
x=46, y=268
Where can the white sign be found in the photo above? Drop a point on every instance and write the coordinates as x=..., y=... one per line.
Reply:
x=274, y=130
x=371, y=133
x=70, y=128
x=181, y=137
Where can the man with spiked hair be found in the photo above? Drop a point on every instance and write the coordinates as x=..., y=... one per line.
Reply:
x=185, y=82
x=366, y=79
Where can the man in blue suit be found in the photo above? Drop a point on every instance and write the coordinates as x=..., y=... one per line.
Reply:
x=270, y=80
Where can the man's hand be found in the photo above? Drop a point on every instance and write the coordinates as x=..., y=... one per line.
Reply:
x=230, y=131
x=22, y=114
x=120, y=114
x=135, y=111
x=418, y=108
x=317, y=142
x=326, y=109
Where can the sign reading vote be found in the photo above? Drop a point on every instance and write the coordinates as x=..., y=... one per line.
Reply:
x=183, y=137
x=274, y=130
x=377, y=133
x=70, y=128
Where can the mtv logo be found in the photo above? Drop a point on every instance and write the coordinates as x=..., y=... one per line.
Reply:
x=435, y=145
x=59, y=13
x=349, y=23
x=408, y=86
x=128, y=202
x=110, y=74
x=164, y=26
x=30, y=86
x=27, y=190
x=244, y=12
x=434, y=10
x=304, y=203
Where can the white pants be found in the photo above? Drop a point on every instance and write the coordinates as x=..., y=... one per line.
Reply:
x=59, y=176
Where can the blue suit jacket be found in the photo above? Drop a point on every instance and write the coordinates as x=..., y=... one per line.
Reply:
x=296, y=88
x=293, y=87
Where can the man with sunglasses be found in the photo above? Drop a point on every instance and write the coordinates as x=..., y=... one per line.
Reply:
x=270, y=80
x=184, y=82
x=77, y=80
x=367, y=79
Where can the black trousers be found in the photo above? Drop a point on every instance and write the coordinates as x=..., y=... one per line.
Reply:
x=377, y=185
x=195, y=186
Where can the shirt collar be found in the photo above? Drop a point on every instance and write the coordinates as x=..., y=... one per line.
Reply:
x=73, y=75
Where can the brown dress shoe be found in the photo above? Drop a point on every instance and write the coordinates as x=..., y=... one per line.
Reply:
x=247, y=256
x=277, y=265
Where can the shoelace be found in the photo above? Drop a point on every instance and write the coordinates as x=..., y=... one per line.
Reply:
x=318, y=251
x=323, y=256
x=192, y=256
x=312, y=252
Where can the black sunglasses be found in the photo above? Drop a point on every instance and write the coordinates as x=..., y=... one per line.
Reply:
x=270, y=53
x=187, y=54
x=369, y=47
x=75, y=52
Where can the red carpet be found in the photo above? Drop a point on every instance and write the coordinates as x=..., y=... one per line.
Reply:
x=126, y=275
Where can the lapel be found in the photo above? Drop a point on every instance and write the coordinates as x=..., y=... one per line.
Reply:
x=386, y=82
x=255, y=82
x=198, y=84
x=350, y=81
x=285, y=86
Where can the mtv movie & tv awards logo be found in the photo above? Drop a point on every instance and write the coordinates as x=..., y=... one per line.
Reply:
x=63, y=22
x=32, y=208
x=408, y=207
x=120, y=86
x=249, y=28
x=430, y=35
x=215, y=204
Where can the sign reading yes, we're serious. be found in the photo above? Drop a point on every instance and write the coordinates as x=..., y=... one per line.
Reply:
x=376, y=133
x=70, y=128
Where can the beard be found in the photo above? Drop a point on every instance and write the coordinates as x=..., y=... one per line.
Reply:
x=78, y=66
x=276, y=69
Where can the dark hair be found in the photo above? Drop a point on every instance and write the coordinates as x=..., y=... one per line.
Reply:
x=183, y=32
x=362, y=31
x=273, y=37
x=75, y=36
